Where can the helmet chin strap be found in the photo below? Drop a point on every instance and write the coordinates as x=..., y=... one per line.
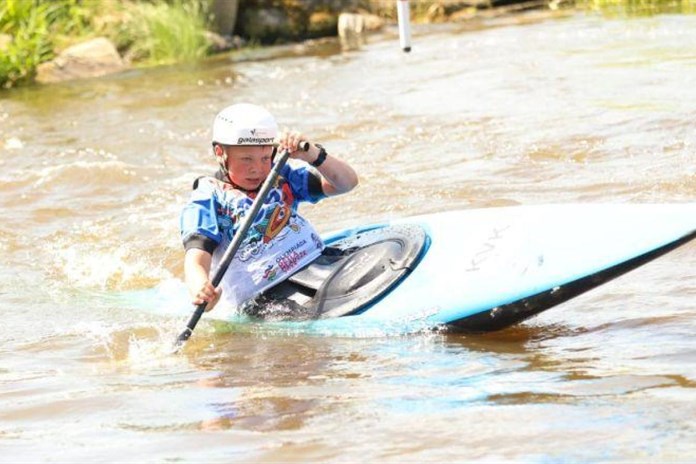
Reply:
x=222, y=159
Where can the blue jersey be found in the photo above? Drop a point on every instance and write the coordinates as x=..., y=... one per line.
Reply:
x=279, y=242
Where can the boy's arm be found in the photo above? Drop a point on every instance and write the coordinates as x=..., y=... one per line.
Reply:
x=196, y=271
x=337, y=176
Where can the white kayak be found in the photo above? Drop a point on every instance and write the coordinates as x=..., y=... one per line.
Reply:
x=477, y=270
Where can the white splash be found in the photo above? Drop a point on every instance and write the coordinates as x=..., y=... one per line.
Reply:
x=14, y=143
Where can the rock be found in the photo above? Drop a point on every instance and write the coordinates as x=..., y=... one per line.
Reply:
x=266, y=25
x=373, y=23
x=225, y=15
x=218, y=43
x=436, y=13
x=96, y=57
x=463, y=15
x=322, y=24
x=282, y=21
x=351, y=30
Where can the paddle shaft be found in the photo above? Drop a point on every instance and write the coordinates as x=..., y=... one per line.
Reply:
x=239, y=236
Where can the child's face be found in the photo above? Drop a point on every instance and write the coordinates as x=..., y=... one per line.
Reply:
x=249, y=165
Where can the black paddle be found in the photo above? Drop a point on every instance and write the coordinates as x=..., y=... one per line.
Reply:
x=236, y=242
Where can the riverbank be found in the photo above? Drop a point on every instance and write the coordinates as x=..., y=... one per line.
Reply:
x=47, y=42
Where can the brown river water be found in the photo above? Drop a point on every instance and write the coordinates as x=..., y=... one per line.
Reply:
x=570, y=109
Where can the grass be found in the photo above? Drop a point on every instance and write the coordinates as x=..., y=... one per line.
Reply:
x=637, y=8
x=163, y=33
x=28, y=25
x=146, y=32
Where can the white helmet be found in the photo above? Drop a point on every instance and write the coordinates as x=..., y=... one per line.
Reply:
x=244, y=124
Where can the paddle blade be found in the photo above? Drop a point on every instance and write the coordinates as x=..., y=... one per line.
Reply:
x=186, y=333
x=180, y=341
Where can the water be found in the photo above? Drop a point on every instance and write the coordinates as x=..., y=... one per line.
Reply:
x=572, y=109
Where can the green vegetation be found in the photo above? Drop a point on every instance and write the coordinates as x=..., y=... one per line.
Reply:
x=636, y=8
x=29, y=26
x=163, y=33
x=145, y=32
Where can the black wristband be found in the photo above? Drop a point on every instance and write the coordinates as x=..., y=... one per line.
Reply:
x=320, y=158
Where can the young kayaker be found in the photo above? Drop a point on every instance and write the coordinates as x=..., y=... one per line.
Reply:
x=280, y=241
